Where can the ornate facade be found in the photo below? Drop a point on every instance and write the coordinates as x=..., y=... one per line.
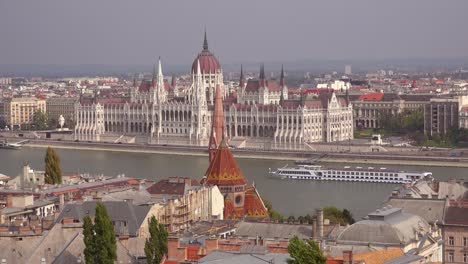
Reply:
x=259, y=109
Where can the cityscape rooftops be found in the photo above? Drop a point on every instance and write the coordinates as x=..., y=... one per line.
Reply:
x=386, y=226
x=124, y=214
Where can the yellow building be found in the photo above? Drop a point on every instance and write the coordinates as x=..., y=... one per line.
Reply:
x=20, y=111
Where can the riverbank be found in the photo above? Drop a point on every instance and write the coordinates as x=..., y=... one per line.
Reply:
x=348, y=158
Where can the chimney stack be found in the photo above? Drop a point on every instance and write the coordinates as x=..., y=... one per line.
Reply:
x=320, y=223
x=348, y=257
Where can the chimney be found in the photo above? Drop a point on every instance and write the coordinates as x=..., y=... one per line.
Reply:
x=348, y=257
x=314, y=227
x=211, y=245
x=172, y=246
x=9, y=201
x=320, y=223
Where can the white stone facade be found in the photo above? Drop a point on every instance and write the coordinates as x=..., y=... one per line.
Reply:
x=261, y=109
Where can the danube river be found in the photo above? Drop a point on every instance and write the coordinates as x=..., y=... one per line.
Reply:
x=288, y=197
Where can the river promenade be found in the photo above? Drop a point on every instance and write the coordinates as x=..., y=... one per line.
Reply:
x=423, y=159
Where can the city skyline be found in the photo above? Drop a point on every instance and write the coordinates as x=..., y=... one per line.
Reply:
x=52, y=32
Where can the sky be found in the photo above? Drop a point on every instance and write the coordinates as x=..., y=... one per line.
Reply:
x=123, y=32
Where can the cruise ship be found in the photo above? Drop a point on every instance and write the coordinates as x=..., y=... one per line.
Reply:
x=356, y=174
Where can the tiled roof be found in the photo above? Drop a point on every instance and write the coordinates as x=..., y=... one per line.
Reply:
x=208, y=63
x=456, y=216
x=124, y=214
x=171, y=186
x=377, y=257
x=273, y=230
x=253, y=204
x=431, y=210
x=254, y=85
x=371, y=97
x=224, y=170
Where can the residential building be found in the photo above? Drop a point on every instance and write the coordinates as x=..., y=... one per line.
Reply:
x=442, y=114
x=128, y=219
x=19, y=111
x=183, y=201
x=62, y=106
x=455, y=232
x=368, y=108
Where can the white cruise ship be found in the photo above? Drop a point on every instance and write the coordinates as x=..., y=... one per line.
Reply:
x=356, y=174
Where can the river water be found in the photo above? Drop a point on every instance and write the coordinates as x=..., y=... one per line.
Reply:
x=288, y=197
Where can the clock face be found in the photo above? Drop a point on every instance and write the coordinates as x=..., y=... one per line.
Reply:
x=238, y=199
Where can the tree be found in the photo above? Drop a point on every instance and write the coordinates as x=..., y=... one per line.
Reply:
x=274, y=215
x=99, y=239
x=305, y=252
x=53, y=172
x=337, y=216
x=90, y=247
x=105, y=242
x=348, y=216
x=40, y=120
x=156, y=244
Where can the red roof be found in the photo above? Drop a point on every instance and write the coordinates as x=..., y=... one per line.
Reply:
x=253, y=204
x=223, y=170
x=172, y=186
x=254, y=85
x=208, y=63
x=371, y=97
x=192, y=252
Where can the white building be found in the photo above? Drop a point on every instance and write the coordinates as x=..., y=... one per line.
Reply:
x=259, y=109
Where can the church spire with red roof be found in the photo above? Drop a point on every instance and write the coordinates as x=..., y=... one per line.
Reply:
x=217, y=124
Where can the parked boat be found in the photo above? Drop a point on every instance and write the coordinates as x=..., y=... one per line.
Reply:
x=5, y=145
x=356, y=174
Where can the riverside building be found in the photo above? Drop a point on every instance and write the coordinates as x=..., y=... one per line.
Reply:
x=258, y=110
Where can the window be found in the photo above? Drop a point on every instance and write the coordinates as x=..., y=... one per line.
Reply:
x=465, y=241
x=451, y=241
x=465, y=257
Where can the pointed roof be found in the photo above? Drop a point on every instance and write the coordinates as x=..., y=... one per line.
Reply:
x=262, y=72
x=282, y=81
x=242, y=80
x=217, y=123
x=135, y=82
x=173, y=81
x=262, y=76
x=253, y=204
x=223, y=169
x=205, y=42
x=208, y=62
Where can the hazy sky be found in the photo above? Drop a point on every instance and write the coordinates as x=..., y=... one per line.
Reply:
x=124, y=32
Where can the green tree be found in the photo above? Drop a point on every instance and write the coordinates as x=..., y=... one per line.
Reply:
x=99, y=239
x=305, y=252
x=337, y=216
x=89, y=240
x=53, y=172
x=274, y=215
x=52, y=123
x=348, y=216
x=40, y=120
x=105, y=242
x=156, y=244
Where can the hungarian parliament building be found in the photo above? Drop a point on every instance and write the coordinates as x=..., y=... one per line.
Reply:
x=257, y=110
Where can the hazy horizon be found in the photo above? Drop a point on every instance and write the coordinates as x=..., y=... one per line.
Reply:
x=118, y=32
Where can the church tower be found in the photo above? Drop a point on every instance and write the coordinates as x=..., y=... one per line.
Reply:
x=157, y=84
x=217, y=124
x=283, y=87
